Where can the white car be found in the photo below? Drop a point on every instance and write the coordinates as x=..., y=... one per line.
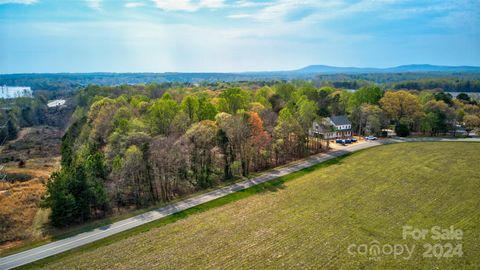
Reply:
x=370, y=138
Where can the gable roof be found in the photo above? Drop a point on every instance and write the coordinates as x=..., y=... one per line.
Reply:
x=340, y=120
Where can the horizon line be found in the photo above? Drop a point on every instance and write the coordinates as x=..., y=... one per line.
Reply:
x=244, y=72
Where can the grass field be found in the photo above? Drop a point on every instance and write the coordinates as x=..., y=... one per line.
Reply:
x=309, y=219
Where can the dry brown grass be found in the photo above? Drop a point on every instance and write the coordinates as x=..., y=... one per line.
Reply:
x=21, y=219
x=20, y=202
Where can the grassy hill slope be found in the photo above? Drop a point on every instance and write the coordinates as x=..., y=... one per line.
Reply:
x=309, y=222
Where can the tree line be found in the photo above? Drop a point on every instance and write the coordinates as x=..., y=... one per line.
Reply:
x=445, y=84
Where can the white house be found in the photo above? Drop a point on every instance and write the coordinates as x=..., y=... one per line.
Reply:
x=332, y=127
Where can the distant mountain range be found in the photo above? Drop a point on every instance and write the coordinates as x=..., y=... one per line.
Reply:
x=322, y=69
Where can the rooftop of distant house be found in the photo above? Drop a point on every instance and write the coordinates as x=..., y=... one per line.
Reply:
x=340, y=120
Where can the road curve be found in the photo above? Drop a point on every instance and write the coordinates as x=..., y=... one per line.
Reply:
x=63, y=245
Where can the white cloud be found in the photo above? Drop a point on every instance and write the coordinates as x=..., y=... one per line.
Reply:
x=95, y=4
x=281, y=10
x=249, y=4
x=188, y=5
x=240, y=16
x=293, y=10
x=23, y=2
x=175, y=5
x=134, y=4
x=212, y=3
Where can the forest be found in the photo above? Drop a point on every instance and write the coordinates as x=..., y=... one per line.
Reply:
x=54, y=85
x=131, y=146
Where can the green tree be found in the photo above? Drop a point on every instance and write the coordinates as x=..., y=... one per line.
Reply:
x=285, y=91
x=366, y=94
x=161, y=114
x=206, y=110
x=236, y=98
x=428, y=123
x=61, y=202
x=190, y=105
x=307, y=112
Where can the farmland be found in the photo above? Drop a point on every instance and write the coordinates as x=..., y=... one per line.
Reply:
x=310, y=220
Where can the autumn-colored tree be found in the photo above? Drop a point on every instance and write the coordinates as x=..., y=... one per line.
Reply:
x=258, y=140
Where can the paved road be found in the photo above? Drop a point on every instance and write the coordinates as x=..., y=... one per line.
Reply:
x=63, y=245
x=433, y=139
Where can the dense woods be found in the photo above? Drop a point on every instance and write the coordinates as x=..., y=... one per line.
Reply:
x=132, y=146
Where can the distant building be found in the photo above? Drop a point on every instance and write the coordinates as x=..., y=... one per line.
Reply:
x=15, y=91
x=56, y=103
x=332, y=127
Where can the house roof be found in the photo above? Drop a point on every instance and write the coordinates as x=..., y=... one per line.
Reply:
x=340, y=120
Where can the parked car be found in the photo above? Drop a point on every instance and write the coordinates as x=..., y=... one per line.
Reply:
x=353, y=140
x=348, y=141
x=370, y=138
x=338, y=141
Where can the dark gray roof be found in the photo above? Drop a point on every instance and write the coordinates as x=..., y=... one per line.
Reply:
x=340, y=120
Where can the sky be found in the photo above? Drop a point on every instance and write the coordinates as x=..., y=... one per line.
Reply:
x=40, y=36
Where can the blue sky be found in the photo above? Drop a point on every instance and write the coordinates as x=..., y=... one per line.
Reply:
x=234, y=35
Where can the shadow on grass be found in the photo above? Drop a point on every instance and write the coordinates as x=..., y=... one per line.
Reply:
x=270, y=186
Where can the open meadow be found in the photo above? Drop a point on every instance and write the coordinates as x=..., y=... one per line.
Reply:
x=311, y=220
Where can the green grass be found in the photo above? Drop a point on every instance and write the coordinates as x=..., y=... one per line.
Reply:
x=309, y=218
